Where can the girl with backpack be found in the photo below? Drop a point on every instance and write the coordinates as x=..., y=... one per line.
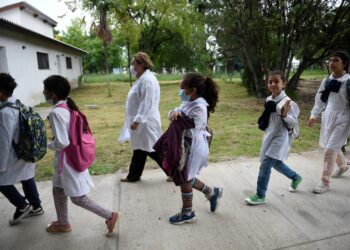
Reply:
x=332, y=101
x=279, y=115
x=67, y=180
x=200, y=97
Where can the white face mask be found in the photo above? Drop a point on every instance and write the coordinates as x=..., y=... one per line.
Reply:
x=133, y=71
x=49, y=100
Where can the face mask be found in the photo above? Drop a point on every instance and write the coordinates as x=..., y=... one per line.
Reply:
x=133, y=71
x=49, y=100
x=183, y=96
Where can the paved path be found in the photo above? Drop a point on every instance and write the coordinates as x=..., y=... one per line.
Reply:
x=300, y=220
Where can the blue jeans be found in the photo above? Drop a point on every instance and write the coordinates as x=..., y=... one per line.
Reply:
x=265, y=172
x=30, y=191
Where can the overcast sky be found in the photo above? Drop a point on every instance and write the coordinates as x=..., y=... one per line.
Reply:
x=53, y=9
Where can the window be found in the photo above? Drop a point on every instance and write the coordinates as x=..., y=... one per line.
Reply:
x=43, y=60
x=69, y=62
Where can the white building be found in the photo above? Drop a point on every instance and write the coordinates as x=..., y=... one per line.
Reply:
x=29, y=52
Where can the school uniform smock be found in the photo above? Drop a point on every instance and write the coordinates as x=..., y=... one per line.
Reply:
x=142, y=106
x=73, y=183
x=276, y=142
x=335, y=115
x=199, y=152
x=12, y=169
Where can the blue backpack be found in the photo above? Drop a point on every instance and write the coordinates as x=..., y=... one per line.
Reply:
x=32, y=142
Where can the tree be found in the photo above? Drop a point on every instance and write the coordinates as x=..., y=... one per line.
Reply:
x=266, y=34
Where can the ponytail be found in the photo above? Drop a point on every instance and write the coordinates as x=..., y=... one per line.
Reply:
x=71, y=104
x=211, y=94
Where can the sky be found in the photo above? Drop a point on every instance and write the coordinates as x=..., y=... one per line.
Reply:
x=52, y=8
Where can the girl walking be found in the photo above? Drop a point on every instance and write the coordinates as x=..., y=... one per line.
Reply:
x=332, y=100
x=277, y=138
x=201, y=96
x=68, y=182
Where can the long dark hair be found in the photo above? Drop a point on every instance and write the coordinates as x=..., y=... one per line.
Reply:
x=61, y=87
x=206, y=88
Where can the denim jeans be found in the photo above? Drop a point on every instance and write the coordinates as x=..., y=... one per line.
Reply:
x=265, y=172
x=30, y=191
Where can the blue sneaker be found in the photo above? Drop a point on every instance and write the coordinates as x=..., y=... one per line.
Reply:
x=182, y=218
x=214, y=200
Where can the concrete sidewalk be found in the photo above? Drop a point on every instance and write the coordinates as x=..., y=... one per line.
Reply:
x=300, y=220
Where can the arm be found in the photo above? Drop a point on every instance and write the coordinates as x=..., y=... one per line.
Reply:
x=319, y=104
x=291, y=117
x=59, y=123
x=7, y=130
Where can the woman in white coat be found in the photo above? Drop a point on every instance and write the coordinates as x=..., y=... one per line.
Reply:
x=332, y=101
x=68, y=182
x=13, y=169
x=142, y=118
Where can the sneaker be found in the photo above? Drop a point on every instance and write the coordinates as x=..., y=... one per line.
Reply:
x=182, y=218
x=214, y=200
x=111, y=223
x=295, y=184
x=340, y=172
x=20, y=214
x=255, y=200
x=55, y=227
x=35, y=212
x=321, y=188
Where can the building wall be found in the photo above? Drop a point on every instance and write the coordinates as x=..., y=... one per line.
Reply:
x=21, y=55
x=26, y=19
x=35, y=23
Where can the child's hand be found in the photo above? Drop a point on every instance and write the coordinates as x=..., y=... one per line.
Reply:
x=174, y=115
x=311, y=122
x=285, y=109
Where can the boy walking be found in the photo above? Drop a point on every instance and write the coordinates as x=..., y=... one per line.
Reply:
x=12, y=168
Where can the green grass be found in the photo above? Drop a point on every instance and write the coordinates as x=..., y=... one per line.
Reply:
x=234, y=124
x=316, y=74
x=100, y=78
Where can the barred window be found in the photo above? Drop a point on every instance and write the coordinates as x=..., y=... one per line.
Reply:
x=69, y=62
x=43, y=60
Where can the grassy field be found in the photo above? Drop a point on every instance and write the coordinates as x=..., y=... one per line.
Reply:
x=234, y=124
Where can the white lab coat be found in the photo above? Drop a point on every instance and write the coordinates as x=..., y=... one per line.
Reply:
x=73, y=183
x=335, y=115
x=142, y=106
x=12, y=169
x=276, y=142
x=199, y=152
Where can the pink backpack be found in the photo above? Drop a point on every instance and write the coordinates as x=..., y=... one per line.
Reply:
x=80, y=154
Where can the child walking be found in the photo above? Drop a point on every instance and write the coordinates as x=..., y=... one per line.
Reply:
x=332, y=100
x=12, y=168
x=201, y=96
x=277, y=138
x=67, y=182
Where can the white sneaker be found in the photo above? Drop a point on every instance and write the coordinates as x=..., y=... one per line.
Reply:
x=321, y=188
x=340, y=172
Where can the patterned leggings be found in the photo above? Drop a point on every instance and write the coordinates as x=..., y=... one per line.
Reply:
x=61, y=205
x=187, y=195
x=332, y=157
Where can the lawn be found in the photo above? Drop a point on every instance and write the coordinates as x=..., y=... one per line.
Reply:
x=234, y=124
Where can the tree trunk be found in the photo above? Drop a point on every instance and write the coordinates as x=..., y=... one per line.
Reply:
x=105, y=52
x=129, y=60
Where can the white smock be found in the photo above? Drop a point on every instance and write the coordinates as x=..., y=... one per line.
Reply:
x=277, y=142
x=199, y=152
x=12, y=169
x=335, y=115
x=73, y=183
x=142, y=106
